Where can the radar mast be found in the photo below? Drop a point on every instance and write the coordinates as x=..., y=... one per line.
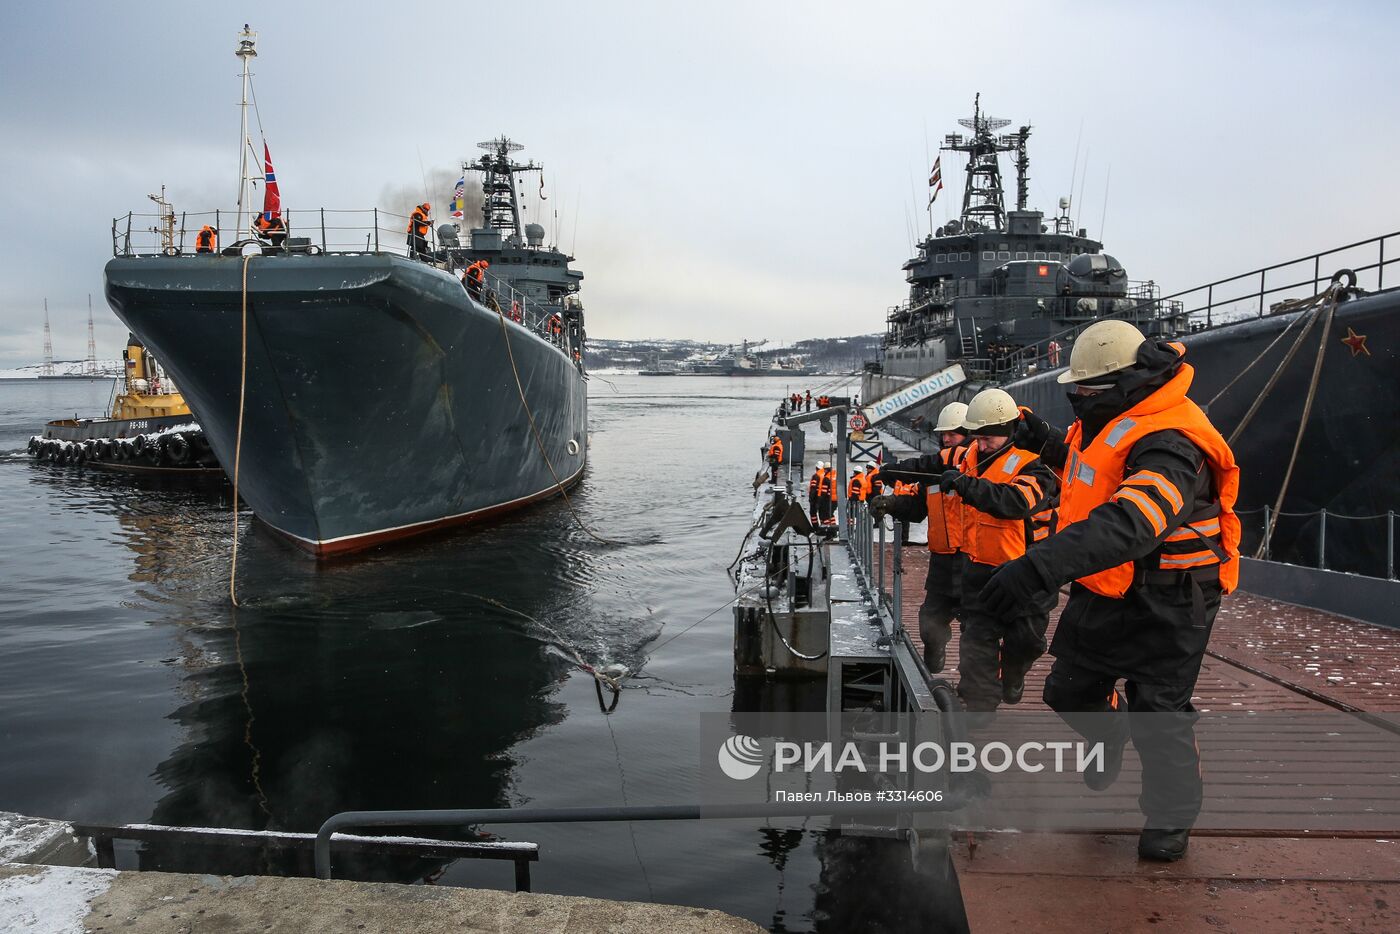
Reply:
x=500, y=205
x=983, y=198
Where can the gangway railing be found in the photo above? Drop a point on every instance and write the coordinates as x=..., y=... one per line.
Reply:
x=1269, y=520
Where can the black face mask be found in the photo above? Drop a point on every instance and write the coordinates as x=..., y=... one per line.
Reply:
x=1156, y=364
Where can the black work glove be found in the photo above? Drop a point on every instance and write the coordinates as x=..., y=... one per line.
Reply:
x=1031, y=432
x=1012, y=588
x=950, y=480
x=879, y=506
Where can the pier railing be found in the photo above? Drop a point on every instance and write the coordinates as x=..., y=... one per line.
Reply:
x=344, y=231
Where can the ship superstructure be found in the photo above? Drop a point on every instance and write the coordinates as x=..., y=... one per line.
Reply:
x=993, y=287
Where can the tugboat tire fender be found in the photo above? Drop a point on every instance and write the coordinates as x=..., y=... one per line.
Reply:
x=178, y=447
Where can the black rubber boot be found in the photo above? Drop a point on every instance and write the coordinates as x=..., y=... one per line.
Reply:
x=1013, y=688
x=1112, y=765
x=1163, y=846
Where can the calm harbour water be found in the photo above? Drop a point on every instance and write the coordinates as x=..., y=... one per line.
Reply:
x=420, y=676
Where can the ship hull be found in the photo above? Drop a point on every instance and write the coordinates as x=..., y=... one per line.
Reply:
x=380, y=402
x=1350, y=454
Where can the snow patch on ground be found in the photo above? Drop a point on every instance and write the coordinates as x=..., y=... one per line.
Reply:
x=20, y=835
x=51, y=899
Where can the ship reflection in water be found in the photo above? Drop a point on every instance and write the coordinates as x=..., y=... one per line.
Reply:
x=391, y=680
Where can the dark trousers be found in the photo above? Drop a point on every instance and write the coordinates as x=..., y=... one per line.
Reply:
x=941, y=590
x=418, y=245
x=1161, y=722
x=993, y=651
x=824, y=506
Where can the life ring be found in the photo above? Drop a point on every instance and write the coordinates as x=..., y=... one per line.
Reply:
x=515, y=310
x=859, y=422
x=1052, y=353
x=572, y=447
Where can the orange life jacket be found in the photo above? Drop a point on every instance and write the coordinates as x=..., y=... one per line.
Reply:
x=272, y=226
x=207, y=240
x=856, y=488
x=988, y=539
x=418, y=223
x=945, y=508
x=1095, y=476
x=874, y=485
x=775, y=450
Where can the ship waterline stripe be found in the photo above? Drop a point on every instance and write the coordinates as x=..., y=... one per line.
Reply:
x=321, y=542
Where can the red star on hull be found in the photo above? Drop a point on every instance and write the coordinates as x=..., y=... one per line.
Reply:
x=1357, y=343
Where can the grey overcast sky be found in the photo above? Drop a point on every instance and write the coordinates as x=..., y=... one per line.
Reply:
x=723, y=170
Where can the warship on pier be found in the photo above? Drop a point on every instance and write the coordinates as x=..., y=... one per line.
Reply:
x=357, y=394
x=1003, y=294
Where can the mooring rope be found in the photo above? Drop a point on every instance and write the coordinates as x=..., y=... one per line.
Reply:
x=238, y=439
x=1331, y=307
x=539, y=441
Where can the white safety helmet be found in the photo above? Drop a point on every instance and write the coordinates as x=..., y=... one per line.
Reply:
x=821, y=465
x=952, y=417
x=990, y=408
x=1104, y=347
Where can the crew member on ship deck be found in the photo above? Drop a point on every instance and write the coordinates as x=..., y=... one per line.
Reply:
x=418, y=226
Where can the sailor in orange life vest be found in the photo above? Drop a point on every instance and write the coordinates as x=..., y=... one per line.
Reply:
x=418, y=226
x=826, y=505
x=775, y=456
x=815, y=493
x=944, y=513
x=270, y=228
x=1150, y=539
x=857, y=489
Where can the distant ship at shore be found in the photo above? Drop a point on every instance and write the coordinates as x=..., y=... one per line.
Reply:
x=745, y=363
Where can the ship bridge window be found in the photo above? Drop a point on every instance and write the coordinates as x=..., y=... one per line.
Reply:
x=1003, y=246
x=1055, y=257
x=1022, y=256
x=1004, y=254
x=1040, y=254
x=966, y=257
x=940, y=258
x=988, y=254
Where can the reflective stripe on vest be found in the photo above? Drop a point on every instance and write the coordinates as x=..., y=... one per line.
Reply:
x=1099, y=477
x=987, y=539
x=945, y=510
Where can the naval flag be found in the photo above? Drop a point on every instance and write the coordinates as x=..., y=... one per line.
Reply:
x=935, y=179
x=457, y=196
x=272, y=196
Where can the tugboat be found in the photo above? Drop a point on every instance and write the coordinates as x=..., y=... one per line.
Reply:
x=368, y=396
x=1004, y=294
x=150, y=429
